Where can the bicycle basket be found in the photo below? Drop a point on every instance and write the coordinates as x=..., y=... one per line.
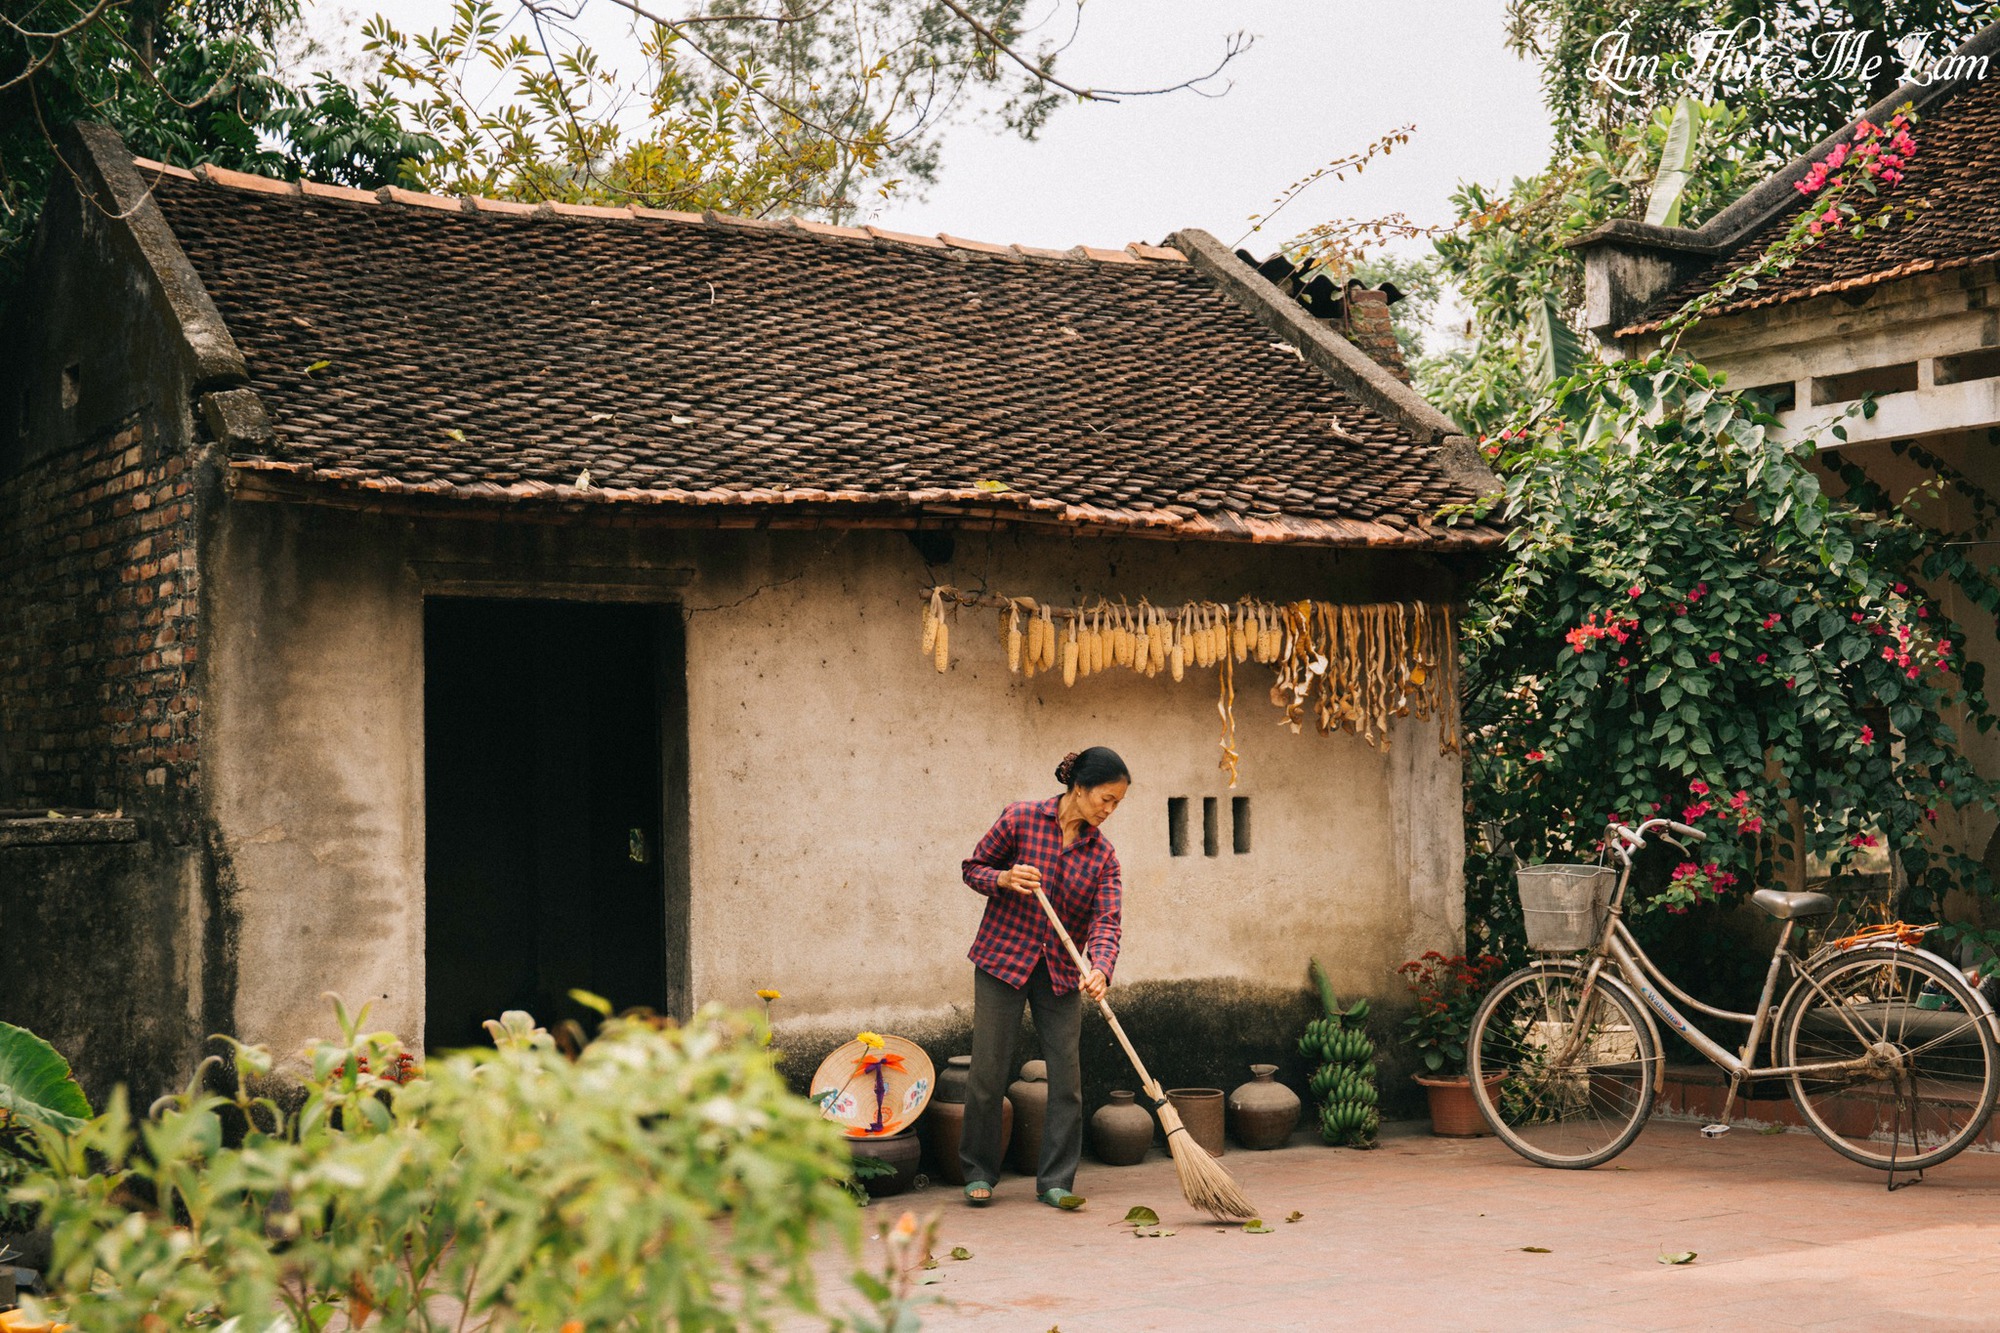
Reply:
x=1563, y=906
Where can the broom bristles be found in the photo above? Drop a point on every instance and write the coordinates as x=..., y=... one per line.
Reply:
x=1203, y=1181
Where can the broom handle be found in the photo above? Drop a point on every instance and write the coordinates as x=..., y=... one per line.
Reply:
x=1103, y=1006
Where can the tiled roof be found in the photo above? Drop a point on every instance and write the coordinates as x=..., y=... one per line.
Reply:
x=405, y=345
x=1950, y=185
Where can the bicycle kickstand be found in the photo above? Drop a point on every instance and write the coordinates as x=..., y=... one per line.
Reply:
x=1896, y=1142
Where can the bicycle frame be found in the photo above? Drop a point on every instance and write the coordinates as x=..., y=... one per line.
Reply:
x=1617, y=947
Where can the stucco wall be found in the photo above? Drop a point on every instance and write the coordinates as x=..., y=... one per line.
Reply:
x=838, y=779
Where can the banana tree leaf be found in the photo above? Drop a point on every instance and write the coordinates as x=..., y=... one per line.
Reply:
x=36, y=1084
x=1663, y=204
x=1558, y=349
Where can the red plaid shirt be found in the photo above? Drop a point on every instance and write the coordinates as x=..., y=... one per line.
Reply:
x=1082, y=884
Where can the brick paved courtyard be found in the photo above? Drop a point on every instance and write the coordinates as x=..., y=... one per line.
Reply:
x=1431, y=1233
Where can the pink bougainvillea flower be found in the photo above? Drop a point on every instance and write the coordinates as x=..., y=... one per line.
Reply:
x=1536, y=756
x=1698, y=787
x=1856, y=617
x=1753, y=825
x=1739, y=800
x=1636, y=592
x=1867, y=735
x=1862, y=840
x=1715, y=658
x=1696, y=811
x=1902, y=588
x=1791, y=682
x=1771, y=621
x=1762, y=658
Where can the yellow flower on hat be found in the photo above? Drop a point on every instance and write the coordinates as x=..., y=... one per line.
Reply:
x=869, y=1039
x=768, y=995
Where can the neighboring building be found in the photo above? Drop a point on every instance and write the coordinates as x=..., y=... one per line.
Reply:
x=462, y=601
x=1909, y=313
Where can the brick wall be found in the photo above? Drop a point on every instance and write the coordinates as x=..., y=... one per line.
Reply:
x=98, y=705
x=1370, y=328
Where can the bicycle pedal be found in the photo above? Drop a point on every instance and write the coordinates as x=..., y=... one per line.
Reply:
x=1715, y=1131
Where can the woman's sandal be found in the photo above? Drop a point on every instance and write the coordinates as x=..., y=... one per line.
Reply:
x=1063, y=1199
x=978, y=1193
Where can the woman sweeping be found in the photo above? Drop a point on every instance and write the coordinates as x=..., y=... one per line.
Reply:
x=1054, y=845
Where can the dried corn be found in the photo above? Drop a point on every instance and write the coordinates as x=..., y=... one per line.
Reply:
x=943, y=646
x=1069, y=655
x=1014, y=640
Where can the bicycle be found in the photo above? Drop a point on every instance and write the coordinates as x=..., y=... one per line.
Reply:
x=1888, y=1053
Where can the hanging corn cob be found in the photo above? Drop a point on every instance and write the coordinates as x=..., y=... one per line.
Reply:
x=1344, y=667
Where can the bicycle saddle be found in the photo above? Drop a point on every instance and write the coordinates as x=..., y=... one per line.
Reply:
x=1785, y=906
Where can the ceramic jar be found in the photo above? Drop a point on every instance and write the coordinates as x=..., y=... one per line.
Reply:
x=1201, y=1111
x=1121, y=1130
x=943, y=1123
x=1030, y=1094
x=1263, y=1112
x=901, y=1151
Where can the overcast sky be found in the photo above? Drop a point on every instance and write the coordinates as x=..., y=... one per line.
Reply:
x=1324, y=78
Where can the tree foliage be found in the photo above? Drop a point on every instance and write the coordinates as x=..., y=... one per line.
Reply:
x=1802, y=86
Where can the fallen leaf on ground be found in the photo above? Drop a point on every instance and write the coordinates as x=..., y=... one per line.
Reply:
x=925, y=1279
x=1536, y=1249
x=1140, y=1217
x=1071, y=1202
x=930, y=1263
x=1684, y=1257
x=1772, y=1129
x=1295, y=1217
x=960, y=1252
x=1255, y=1226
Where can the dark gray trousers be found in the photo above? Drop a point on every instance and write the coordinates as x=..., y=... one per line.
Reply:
x=996, y=1021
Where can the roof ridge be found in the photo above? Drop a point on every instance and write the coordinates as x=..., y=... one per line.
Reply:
x=246, y=182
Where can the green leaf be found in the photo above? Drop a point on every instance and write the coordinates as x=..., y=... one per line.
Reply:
x=1684, y=1257
x=36, y=1084
x=1142, y=1217
x=1557, y=348
x=591, y=1001
x=317, y=366
x=1536, y=1249
x=960, y=1252
x=1255, y=1227
x=993, y=487
x=1071, y=1202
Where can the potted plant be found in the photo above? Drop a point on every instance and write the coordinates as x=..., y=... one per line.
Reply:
x=1448, y=990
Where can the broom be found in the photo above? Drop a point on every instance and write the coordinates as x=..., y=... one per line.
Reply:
x=1204, y=1182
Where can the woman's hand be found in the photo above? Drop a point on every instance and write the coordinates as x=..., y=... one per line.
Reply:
x=1096, y=984
x=1021, y=879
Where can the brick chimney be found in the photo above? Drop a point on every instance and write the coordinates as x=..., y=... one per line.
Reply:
x=1368, y=326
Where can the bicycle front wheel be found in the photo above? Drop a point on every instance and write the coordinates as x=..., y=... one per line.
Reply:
x=1563, y=1079
x=1916, y=1059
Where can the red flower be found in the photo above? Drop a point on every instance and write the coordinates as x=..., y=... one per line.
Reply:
x=1868, y=735
x=1715, y=658
x=1771, y=621
x=1698, y=787
x=1536, y=756
x=1753, y=825
x=1762, y=658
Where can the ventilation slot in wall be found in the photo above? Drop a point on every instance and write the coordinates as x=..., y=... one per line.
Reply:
x=1854, y=384
x=1177, y=833
x=1239, y=824
x=1983, y=364
x=1211, y=826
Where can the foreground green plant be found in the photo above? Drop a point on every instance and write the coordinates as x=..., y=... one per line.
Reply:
x=1344, y=1083
x=665, y=1178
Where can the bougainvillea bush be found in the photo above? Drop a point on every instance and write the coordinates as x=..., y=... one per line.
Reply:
x=1691, y=625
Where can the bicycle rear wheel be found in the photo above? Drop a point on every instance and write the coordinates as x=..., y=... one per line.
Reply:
x=1923, y=1078
x=1571, y=1080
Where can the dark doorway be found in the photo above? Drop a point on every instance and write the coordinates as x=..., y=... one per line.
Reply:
x=546, y=725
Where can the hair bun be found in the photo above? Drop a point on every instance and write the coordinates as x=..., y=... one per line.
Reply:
x=1066, y=767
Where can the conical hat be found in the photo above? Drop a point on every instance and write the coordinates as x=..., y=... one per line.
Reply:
x=845, y=1087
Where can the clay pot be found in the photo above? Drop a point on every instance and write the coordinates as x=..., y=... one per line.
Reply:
x=943, y=1130
x=1201, y=1111
x=951, y=1082
x=901, y=1151
x=1122, y=1130
x=1454, y=1110
x=1031, y=1111
x=1263, y=1112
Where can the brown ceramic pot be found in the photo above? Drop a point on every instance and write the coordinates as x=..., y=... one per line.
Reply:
x=943, y=1130
x=1454, y=1110
x=951, y=1080
x=1263, y=1112
x=1201, y=1111
x=1121, y=1130
x=1030, y=1094
x=900, y=1151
